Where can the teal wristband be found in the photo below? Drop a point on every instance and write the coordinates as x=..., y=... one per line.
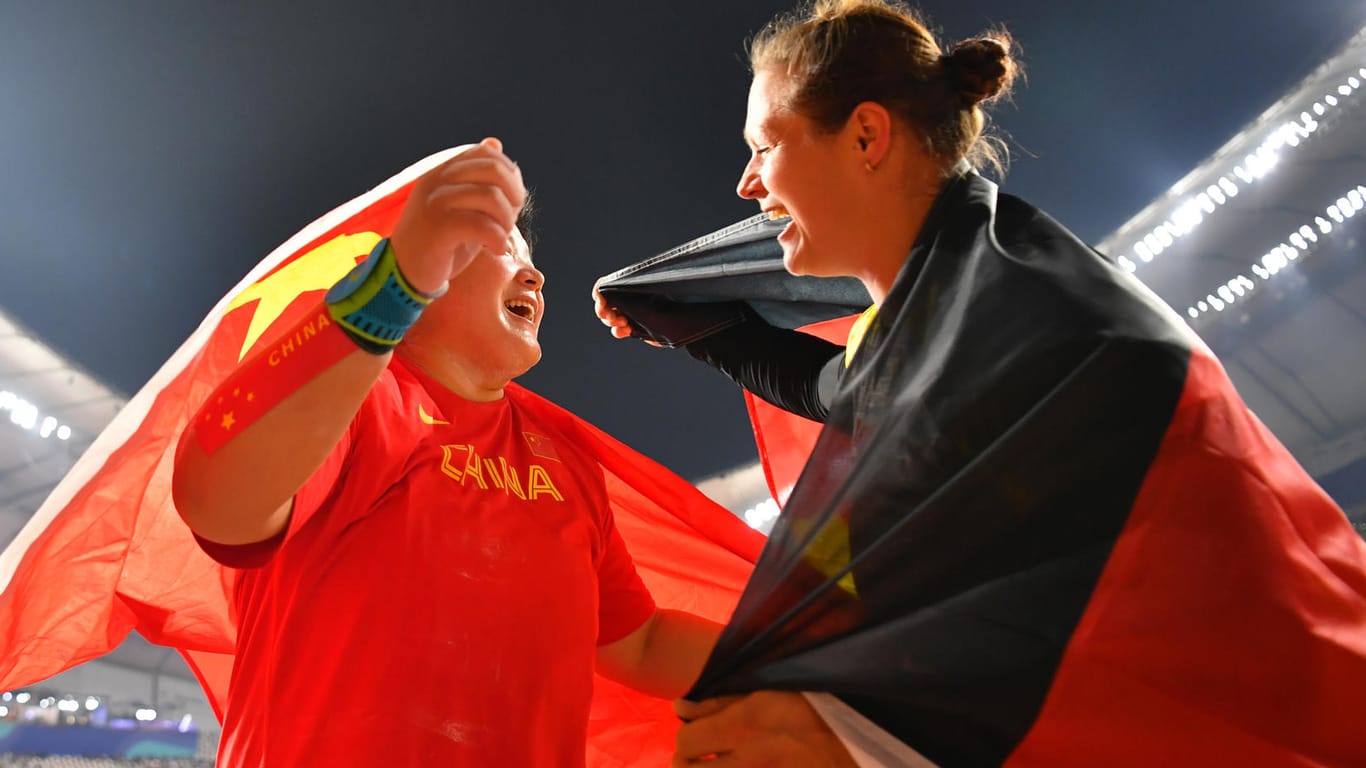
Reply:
x=374, y=304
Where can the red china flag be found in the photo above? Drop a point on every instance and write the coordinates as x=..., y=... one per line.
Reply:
x=107, y=554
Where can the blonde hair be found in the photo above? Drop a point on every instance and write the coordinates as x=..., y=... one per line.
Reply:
x=838, y=54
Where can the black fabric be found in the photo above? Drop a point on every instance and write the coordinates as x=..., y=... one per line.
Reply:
x=717, y=281
x=978, y=462
x=797, y=372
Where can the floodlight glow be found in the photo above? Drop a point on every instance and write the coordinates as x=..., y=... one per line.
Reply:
x=68, y=704
x=762, y=513
x=1301, y=240
x=91, y=703
x=26, y=416
x=1318, y=109
x=145, y=715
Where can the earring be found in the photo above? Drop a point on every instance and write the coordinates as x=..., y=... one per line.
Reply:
x=868, y=166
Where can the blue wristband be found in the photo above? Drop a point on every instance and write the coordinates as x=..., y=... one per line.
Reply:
x=374, y=304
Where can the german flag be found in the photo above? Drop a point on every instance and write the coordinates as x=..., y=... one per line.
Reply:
x=1039, y=526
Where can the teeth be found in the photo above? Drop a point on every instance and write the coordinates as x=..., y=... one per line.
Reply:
x=521, y=308
x=778, y=213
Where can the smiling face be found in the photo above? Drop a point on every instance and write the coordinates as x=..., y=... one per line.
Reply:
x=487, y=322
x=795, y=170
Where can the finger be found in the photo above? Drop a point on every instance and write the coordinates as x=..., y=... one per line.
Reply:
x=492, y=142
x=706, y=761
x=446, y=203
x=489, y=170
x=715, y=734
x=690, y=710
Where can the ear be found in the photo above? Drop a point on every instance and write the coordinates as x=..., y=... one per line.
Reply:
x=869, y=132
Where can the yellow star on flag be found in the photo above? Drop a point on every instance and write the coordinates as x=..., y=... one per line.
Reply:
x=316, y=270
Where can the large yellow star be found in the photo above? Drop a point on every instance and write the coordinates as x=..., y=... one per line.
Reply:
x=318, y=269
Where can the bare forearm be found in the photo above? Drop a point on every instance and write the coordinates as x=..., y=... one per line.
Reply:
x=667, y=655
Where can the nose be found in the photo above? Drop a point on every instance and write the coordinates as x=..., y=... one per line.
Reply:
x=531, y=277
x=750, y=186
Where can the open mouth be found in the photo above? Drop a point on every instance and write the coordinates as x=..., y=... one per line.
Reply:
x=777, y=212
x=523, y=309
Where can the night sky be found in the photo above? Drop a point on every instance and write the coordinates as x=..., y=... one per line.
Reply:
x=152, y=152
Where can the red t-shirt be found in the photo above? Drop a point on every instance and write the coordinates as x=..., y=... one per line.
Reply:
x=438, y=596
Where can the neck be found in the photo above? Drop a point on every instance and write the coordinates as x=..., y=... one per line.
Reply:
x=460, y=376
x=895, y=226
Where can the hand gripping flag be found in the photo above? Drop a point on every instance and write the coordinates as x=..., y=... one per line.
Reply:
x=1040, y=528
x=107, y=554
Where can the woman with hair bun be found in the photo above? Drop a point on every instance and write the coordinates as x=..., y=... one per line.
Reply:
x=1039, y=528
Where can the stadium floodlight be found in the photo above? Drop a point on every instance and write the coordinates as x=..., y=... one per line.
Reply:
x=25, y=415
x=761, y=514
x=1190, y=211
x=1300, y=242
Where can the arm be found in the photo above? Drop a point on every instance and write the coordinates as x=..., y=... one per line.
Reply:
x=241, y=491
x=663, y=657
x=792, y=370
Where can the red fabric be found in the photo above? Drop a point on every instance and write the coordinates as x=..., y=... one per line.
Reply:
x=106, y=554
x=1169, y=665
x=784, y=439
x=306, y=350
x=487, y=573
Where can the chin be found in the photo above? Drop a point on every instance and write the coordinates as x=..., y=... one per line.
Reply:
x=800, y=263
x=528, y=360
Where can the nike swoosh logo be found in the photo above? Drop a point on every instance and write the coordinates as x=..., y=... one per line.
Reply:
x=427, y=418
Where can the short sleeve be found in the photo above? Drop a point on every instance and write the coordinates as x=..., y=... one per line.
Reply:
x=367, y=443
x=624, y=603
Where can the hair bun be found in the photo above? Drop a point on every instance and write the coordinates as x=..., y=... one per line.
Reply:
x=981, y=69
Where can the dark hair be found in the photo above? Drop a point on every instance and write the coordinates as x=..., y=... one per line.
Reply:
x=526, y=218
x=841, y=53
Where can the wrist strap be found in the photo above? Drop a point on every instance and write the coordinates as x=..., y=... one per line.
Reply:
x=374, y=304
